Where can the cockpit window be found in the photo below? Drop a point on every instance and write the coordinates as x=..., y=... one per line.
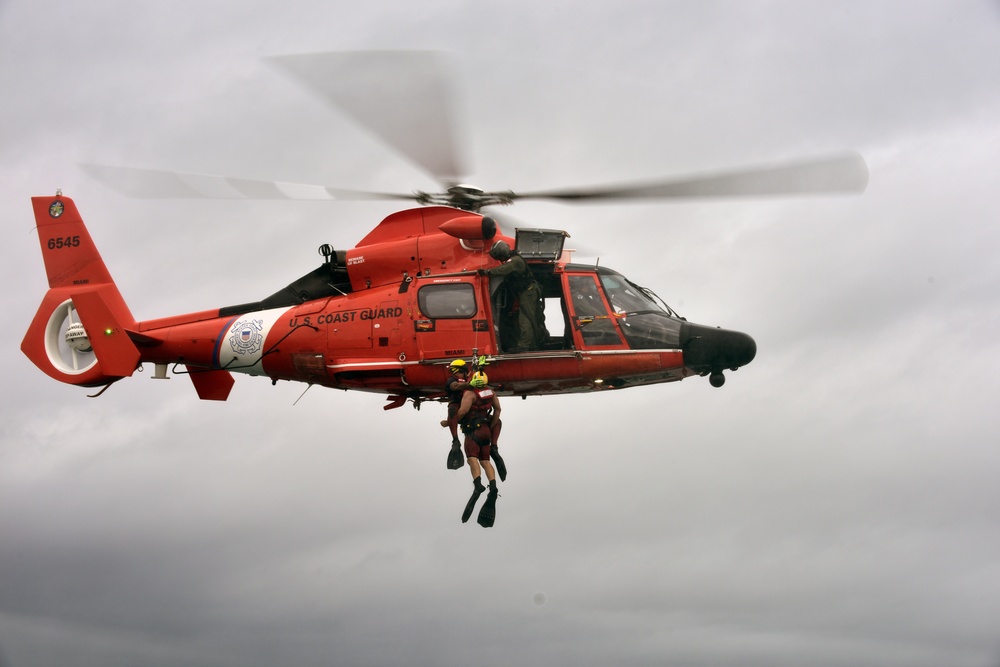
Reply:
x=643, y=318
x=450, y=301
x=651, y=331
x=627, y=297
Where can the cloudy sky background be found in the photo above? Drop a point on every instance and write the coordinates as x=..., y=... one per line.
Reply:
x=836, y=503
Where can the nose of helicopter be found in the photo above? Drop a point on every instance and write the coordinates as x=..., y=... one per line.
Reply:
x=712, y=350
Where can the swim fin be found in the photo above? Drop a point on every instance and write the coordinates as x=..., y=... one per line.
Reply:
x=455, y=458
x=488, y=514
x=500, y=465
x=471, y=505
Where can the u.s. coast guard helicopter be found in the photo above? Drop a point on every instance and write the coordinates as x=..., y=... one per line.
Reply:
x=390, y=313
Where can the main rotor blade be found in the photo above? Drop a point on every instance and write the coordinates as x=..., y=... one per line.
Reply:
x=404, y=97
x=841, y=173
x=161, y=184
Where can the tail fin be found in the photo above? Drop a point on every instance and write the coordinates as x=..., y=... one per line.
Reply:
x=80, y=333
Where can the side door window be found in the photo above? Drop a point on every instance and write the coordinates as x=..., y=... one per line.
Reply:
x=450, y=322
x=447, y=302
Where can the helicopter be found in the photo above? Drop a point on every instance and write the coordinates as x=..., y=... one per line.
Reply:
x=390, y=314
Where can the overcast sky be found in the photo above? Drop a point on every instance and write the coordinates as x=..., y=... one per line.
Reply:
x=834, y=504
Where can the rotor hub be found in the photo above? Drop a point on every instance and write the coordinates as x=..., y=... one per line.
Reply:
x=77, y=338
x=465, y=197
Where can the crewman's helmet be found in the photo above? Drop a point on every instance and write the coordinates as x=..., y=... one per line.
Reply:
x=500, y=251
x=458, y=366
x=478, y=380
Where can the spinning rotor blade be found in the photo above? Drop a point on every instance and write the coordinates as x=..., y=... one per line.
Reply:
x=404, y=97
x=843, y=173
x=160, y=184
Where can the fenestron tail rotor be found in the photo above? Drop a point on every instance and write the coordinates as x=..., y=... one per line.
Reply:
x=67, y=342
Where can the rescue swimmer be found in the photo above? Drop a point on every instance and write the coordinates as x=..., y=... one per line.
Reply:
x=478, y=414
x=454, y=388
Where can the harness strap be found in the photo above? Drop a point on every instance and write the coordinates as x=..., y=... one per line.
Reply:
x=472, y=434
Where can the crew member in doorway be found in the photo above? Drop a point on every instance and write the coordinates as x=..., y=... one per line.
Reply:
x=520, y=284
x=477, y=414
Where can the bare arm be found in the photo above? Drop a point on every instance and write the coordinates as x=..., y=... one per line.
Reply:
x=466, y=405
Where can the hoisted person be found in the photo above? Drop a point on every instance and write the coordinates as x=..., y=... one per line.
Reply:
x=478, y=414
x=454, y=389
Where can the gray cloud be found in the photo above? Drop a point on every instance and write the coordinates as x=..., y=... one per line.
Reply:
x=835, y=502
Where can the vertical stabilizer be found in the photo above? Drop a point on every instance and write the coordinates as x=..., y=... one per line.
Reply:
x=79, y=334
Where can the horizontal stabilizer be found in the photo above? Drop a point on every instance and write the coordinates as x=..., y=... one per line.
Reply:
x=211, y=385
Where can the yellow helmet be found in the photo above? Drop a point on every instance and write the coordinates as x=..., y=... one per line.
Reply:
x=458, y=365
x=478, y=380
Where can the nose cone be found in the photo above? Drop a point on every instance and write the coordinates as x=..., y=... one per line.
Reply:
x=710, y=349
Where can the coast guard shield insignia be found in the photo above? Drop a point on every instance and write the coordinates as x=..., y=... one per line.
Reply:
x=246, y=336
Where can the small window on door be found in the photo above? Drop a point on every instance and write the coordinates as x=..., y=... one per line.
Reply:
x=450, y=301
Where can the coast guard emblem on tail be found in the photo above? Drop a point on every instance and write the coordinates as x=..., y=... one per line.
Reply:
x=246, y=336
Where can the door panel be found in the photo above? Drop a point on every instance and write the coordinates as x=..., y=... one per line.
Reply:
x=593, y=325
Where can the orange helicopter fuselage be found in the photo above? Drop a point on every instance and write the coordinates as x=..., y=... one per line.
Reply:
x=386, y=316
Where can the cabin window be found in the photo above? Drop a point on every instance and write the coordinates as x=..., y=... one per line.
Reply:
x=450, y=301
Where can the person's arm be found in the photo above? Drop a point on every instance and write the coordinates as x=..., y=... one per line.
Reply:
x=514, y=265
x=466, y=405
x=496, y=411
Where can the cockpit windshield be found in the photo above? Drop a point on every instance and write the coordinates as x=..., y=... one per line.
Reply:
x=627, y=297
x=645, y=320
